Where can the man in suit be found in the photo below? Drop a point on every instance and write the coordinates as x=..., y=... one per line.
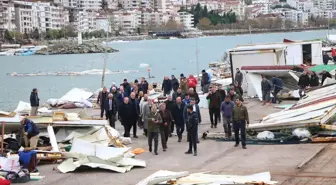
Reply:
x=101, y=100
x=197, y=111
x=111, y=109
x=178, y=115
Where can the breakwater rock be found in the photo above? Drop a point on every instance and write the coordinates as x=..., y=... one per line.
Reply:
x=71, y=48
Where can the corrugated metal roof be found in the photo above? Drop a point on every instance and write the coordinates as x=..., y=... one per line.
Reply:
x=258, y=47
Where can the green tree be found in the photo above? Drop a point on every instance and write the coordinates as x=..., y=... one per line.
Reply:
x=8, y=37
x=35, y=34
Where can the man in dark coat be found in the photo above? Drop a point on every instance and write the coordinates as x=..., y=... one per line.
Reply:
x=34, y=102
x=178, y=93
x=303, y=83
x=178, y=112
x=170, y=106
x=194, y=95
x=239, y=77
x=214, y=106
x=314, y=80
x=326, y=58
x=111, y=109
x=325, y=74
x=143, y=86
x=135, y=112
x=126, y=119
x=266, y=88
x=102, y=97
x=277, y=87
x=240, y=119
x=205, y=82
x=166, y=86
x=192, y=126
x=175, y=83
x=127, y=87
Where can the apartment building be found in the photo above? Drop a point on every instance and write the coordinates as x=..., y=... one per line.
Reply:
x=236, y=6
x=82, y=4
x=301, y=5
x=297, y=17
x=83, y=20
x=328, y=14
x=102, y=23
x=212, y=5
x=324, y=4
x=186, y=19
x=128, y=20
x=7, y=15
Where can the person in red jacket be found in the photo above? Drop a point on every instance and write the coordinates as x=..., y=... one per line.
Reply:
x=192, y=82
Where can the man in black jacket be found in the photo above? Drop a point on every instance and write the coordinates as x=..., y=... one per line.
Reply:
x=303, y=83
x=125, y=113
x=205, y=82
x=166, y=86
x=127, y=87
x=192, y=125
x=135, y=112
x=34, y=102
x=326, y=58
x=194, y=95
x=170, y=106
x=178, y=93
x=111, y=109
x=325, y=74
x=102, y=97
x=143, y=85
x=214, y=106
x=178, y=113
x=175, y=83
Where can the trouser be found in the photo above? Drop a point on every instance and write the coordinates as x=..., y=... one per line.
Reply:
x=155, y=136
x=145, y=132
x=127, y=129
x=179, y=131
x=102, y=111
x=172, y=125
x=214, y=112
x=275, y=94
x=266, y=96
x=164, y=132
x=205, y=88
x=31, y=142
x=302, y=89
x=134, y=125
x=227, y=125
x=240, y=126
x=33, y=111
x=192, y=138
x=111, y=117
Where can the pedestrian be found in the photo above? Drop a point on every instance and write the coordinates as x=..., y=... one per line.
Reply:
x=144, y=85
x=325, y=74
x=226, y=109
x=239, y=77
x=314, y=80
x=205, y=82
x=140, y=95
x=31, y=132
x=34, y=102
x=303, y=83
x=326, y=58
x=277, y=87
x=186, y=99
x=194, y=95
x=192, y=82
x=102, y=97
x=233, y=95
x=125, y=116
x=166, y=86
x=178, y=93
x=175, y=83
x=170, y=106
x=154, y=120
x=145, y=109
x=127, y=88
x=240, y=122
x=111, y=109
x=222, y=94
x=113, y=86
x=266, y=88
x=135, y=113
x=184, y=84
x=196, y=109
x=192, y=125
x=178, y=117
x=214, y=106
x=167, y=120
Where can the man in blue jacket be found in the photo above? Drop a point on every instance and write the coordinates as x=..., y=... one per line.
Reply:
x=31, y=132
x=34, y=102
x=226, y=109
x=277, y=87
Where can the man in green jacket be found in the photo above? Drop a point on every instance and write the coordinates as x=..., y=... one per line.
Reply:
x=240, y=121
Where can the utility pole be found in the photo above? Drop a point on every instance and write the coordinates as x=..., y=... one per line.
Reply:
x=106, y=55
x=250, y=34
x=197, y=52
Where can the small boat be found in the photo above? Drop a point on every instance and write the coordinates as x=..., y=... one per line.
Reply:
x=8, y=53
x=24, y=52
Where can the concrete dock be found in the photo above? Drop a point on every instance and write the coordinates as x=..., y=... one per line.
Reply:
x=217, y=157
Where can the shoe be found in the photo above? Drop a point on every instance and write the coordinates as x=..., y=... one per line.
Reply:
x=170, y=135
x=188, y=152
x=135, y=136
x=280, y=101
x=236, y=145
x=197, y=142
x=195, y=153
x=156, y=153
x=211, y=126
x=164, y=149
x=244, y=147
x=34, y=171
x=150, y=149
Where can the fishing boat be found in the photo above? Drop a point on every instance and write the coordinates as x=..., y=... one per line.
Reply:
x=24, y=52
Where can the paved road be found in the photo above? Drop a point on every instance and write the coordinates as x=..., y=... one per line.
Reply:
x=218, y=157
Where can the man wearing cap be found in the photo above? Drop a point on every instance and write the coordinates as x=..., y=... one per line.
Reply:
x=239, y=77
x=111, y=109
x=31, y=132
x=34, y=102
x=205, y=82
x=175, y=83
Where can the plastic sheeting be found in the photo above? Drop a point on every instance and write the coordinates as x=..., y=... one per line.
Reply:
x=75, y=95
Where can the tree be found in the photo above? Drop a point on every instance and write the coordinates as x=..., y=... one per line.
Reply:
x=288, y=24
x=8, y=37
x=70, y=31
x=204, y=24
x=35, y=34
x=172, y=25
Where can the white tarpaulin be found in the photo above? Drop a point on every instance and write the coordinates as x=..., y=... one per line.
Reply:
x=24, y=107
x=75, y=95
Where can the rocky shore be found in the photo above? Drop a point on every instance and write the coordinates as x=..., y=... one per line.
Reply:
x=72, y=48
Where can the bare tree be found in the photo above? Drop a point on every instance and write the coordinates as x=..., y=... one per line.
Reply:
x=204, y=24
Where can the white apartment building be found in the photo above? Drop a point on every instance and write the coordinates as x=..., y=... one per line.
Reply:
x=186, y=19
x=235, y=6
x=321, y=13
x=297, y=17
x=26, y=19
x=301, y=5
x=7, y=15
x=82, y=4
x=324, y=4
x=212, y=5
x=102, y=23
x=127, y=20
x=83, y=20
